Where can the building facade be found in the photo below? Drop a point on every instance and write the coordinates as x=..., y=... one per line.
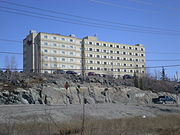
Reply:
x=45, y=52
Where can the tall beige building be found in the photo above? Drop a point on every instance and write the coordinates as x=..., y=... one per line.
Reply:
x=48, y=52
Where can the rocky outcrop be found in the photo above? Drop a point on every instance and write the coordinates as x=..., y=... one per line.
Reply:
x=52, y=94
x=21, y=88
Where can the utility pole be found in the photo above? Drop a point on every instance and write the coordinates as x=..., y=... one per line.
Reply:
x=83, y=115
x=83, y=58
x=66, y=86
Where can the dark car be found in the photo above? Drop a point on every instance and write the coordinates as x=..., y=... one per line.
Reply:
x=91, y=74
x=163, y=100
x=127, y=77
x=59, y=71
x=71, y=72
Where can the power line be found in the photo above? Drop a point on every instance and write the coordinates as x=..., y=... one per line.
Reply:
x=97, y=26
x=11, y=53
x=93, y=24
x=18, y=41
x=7, y=40
x=118, y=5
x=126, y=26
x=160, y=66
x=106, y=59
x=150, y=3
x=163, y=60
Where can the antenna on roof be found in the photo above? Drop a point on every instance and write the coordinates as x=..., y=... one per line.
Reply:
x=95, y=35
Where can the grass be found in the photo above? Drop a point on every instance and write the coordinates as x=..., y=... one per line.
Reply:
x=161, y=125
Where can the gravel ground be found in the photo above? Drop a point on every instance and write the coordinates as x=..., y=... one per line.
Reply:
x=20, y=113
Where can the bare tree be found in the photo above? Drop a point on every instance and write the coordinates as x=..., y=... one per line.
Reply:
x=11, y=63
x=6, y=62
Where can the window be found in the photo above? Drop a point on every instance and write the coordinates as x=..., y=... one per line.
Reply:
x=130, y=53
x=98, y=68
x=104, y=44
x=97, y=50
x=124, y=53
x=71, y=46
x=143, y=72
x=142, y=65
x=135, y=48
x=54, y=51
x=124, y=47
x=55, y=65
x=136, y=65
x=136, y=54
x=142, y=54
x=131, y=65
x=46, y=57
x=105, y=63
x=71, y=53
x=111, y=69
x=117, y=58
x=142, y=60
x=117, y=46
x=98, y=56
x=131, y=71
x=90, y=55
x=124, y=70
x=98, y=62
x=130, y=59
x=62, y=59
x=142, y=49
x=124, y=58
x=71, y=66
x=63, y=66
x=90, y=43
x=104, y=50
x=130, y=48
x=63, y=46
x=71, y=40
x=45, y=43
x=54, y=38
x=118, y=64
x=111, y=51
x=54, y=58
x=91, y=61
x=111, y=45
x=97, y=43
x=90, y=49
x=63, y=39
x=63, y=52
x=105, y=57
x=45, y=50
x=136, y=59
x=46, y=36
x=71, y=60
x=118, y=70
x=105, y=69
x=117, y=52
x=91, y=68
x=124, y=64
x=54, y=44
x=45, y=65
x=111, y=57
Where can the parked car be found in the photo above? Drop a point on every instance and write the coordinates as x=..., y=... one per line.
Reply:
x=91, y=74
x=163, y=100
x=127, y=77
x=71, y=72
x=59, y=71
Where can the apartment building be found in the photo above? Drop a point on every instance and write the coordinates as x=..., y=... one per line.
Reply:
x=44, y=52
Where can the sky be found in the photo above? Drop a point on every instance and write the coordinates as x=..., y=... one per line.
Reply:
x=153, y=23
